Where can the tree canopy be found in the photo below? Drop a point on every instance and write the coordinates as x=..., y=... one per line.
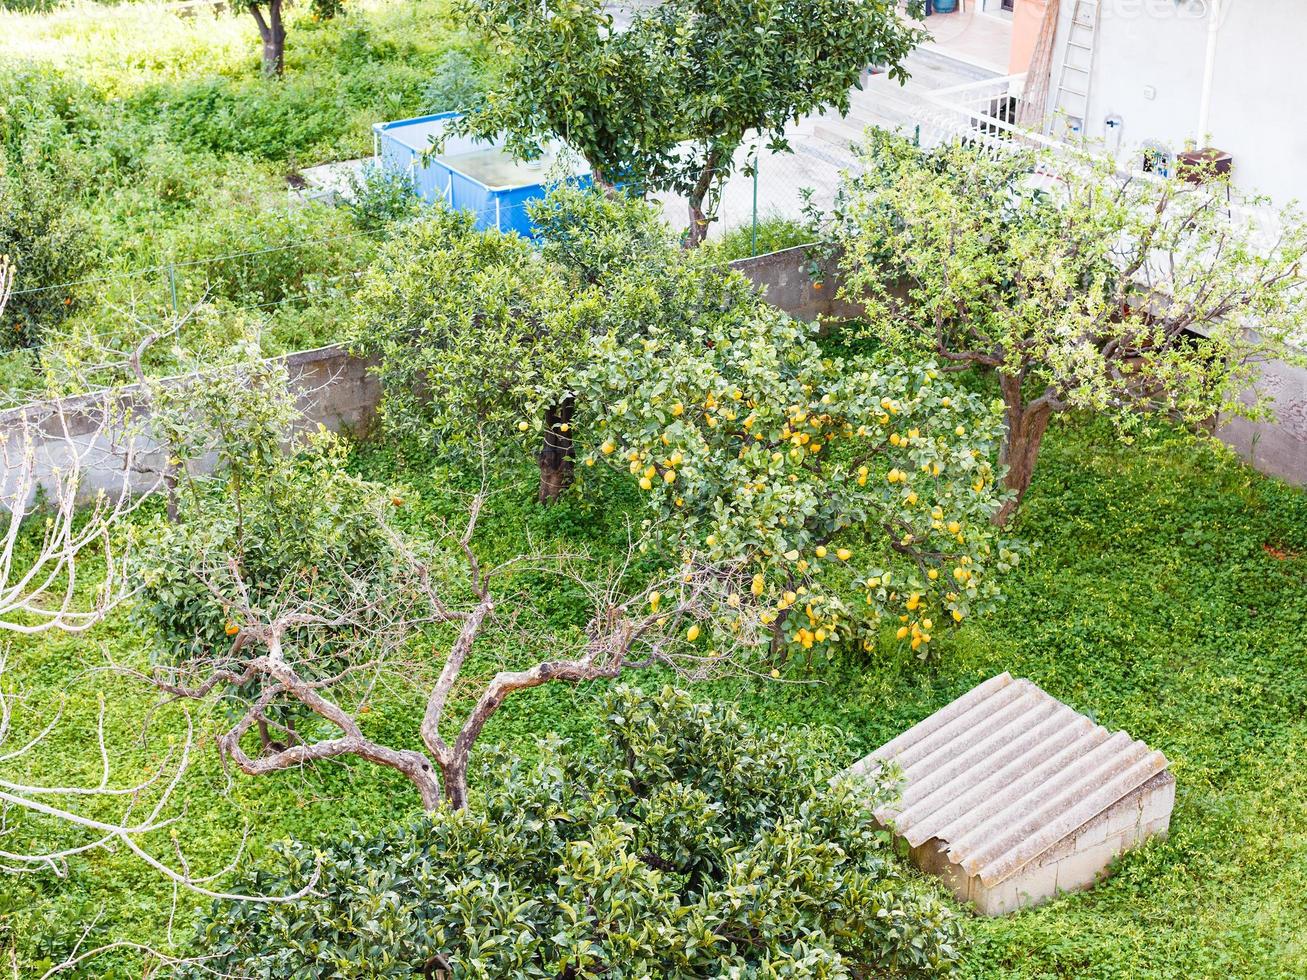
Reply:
x=666, y=101
x=1077, y=285
x=855, y=490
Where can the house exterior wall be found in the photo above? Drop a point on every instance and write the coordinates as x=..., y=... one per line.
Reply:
x=1158, y=48
x=1027, y=17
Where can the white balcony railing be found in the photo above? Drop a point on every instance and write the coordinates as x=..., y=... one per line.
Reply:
x=987, y=113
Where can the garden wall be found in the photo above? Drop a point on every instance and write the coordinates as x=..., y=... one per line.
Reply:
x=337, y=391
x=1277, y=446
x=786, y=280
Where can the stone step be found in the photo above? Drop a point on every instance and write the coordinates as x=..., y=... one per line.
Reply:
x=938, y=69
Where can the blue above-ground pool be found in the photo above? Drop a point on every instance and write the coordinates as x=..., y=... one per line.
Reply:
x=470, y=175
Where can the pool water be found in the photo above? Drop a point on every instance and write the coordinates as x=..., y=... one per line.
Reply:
x=494, y=167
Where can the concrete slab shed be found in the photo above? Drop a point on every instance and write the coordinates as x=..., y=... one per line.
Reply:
x=1011, y=797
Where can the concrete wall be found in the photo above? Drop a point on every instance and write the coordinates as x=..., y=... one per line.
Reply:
x=1075, y=863
x=786, y=281
x=335, y=389
x=1277, y=446
x=1149, y=65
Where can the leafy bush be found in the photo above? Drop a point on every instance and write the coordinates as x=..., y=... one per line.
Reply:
x=279, y=511
x=257, y=256
x=49, y=248
x=690, y=845
x=457, y=83
x=465, y=324
x=379, y=200
x=601, y=238
x=773, y=233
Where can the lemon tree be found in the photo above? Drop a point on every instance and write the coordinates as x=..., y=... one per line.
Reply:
x=467, y=328
x=856, y=492
x=1076, y=286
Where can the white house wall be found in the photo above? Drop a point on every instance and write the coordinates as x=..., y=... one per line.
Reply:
x=1259, y=100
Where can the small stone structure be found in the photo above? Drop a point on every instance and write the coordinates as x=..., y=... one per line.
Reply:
x=1011, y=797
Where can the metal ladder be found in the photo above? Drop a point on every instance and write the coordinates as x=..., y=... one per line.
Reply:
x=1071, y=105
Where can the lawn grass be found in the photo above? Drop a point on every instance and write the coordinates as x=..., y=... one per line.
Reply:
x=1167, y=596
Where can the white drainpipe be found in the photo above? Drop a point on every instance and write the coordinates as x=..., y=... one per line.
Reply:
x=1209, y=69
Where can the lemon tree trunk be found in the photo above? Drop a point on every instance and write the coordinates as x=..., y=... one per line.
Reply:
x=555, y=456
x=1026, y=424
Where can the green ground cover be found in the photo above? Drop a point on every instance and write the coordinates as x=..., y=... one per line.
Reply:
x=1167, y=596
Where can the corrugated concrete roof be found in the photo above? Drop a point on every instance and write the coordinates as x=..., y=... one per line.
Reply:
x=1004, y=773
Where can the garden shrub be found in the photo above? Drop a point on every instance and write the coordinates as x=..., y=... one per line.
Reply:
x=465, y=324
x=279, y=510
x=457, y=82
x=49, y=247
x=688, y=844
x=379, y=200
x=256, y=256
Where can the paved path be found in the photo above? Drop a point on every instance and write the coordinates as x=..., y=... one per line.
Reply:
x=823, y=144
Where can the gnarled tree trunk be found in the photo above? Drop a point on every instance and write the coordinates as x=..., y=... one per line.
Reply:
x=555, y=456
x=698, y=230
x=1026, y=425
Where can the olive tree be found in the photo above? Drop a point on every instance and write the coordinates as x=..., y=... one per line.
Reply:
x=665, y=102
x=687, y=843
x=1077, y=286
x=851, y=491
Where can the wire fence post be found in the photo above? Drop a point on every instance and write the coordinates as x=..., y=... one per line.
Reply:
x=753, y=248
x=172, y=284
